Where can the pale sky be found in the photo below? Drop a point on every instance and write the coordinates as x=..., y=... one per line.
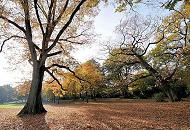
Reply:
x=104, y=24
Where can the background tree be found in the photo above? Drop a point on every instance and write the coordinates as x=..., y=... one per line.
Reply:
x=142, y=85
x=137, y=36
x=7, y=94
x=174, y=48
x=91, y=75
x=47, y=93
x=52, y=91
x=85, y=79
x=22, y=90
x=119, y=68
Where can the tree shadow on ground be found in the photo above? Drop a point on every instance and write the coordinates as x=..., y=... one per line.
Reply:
x=36, y=122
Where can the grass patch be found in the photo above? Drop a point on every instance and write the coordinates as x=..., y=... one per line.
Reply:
x=11, y=105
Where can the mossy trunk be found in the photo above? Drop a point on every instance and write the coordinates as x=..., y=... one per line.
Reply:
x=34, y=102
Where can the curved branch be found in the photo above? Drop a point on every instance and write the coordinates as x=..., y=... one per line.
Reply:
x=67, y=68
x=153, y=43
x=14, y=36
x=51, y=74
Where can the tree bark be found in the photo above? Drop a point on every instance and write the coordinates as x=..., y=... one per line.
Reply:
x=34, y=102
x=161, y=82
x=172, y=96
x=86, y=94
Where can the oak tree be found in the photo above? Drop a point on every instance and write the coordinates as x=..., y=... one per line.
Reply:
x=137, y=36
x=47, y=27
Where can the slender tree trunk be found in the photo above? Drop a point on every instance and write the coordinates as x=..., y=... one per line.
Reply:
x=53, y=98
x=86, y=96
x=34, y=102
x=80, y=96
x=58, y=100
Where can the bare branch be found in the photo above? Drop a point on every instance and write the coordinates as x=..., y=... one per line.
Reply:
x=42, y=10
x=68, y=39
x=153, y=43
x=172, y=74
x=66, y=25
x=74, y=42
x=53, y=54
x=7, y=39
x=51, y=74
x=67, y=68
x=62, y=11
x=38, y=17
x=13, y=23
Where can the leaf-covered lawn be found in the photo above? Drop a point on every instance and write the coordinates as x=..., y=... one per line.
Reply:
x=124, y=115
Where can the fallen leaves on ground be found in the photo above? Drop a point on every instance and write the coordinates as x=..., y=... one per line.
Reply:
x=117, y=115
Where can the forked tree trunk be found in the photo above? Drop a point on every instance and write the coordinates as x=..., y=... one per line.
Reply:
x=162, y=83
x=34, y=102
x=171, y=94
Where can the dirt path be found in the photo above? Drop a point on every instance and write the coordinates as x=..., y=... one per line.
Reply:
x=102, y=116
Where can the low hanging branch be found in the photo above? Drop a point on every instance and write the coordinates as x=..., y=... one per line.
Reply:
x=142, y=77
x=64, y=67
x=13, y=23
x=51, y=74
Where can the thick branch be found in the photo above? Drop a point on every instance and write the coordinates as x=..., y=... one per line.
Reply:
x=28, y=33
x=172, y=74
x=13, y=23
x=142, y=77
x=66, y=25
x=38, y=17
x=53, y=54
x=62, y=11
x=51, y=74
x=67, y=68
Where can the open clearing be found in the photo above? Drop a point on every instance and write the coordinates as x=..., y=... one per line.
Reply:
x=116, y=115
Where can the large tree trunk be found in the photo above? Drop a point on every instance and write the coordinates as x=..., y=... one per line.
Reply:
x=161, y=82
x=169, y=92
x=172, y=95
x=34, y=102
